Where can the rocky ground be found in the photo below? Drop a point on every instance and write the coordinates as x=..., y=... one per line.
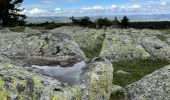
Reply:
x=66, y=46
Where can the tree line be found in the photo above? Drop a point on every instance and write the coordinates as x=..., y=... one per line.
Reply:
x=11, y=15
x=100, y=22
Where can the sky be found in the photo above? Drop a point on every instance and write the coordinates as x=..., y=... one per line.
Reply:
x=94, y=7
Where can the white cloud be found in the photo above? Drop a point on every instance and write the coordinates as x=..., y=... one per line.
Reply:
x=92, y=9
x=133, y=7
x=163, y=3
x=136, y=6
x=57, y=10
x=36, y=11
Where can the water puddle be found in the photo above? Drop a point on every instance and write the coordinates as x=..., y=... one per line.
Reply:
x=69, y=75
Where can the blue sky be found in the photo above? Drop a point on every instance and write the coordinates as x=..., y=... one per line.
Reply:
x=94, y=7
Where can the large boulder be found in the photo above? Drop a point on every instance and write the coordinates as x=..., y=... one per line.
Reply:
x=97, y=80
x=128, y=44
x=89, y=40
x=23, y=83
x=40, y=48
x=155, y=86
x=158, y=49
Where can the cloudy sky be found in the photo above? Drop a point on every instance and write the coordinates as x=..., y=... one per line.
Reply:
x=94, y=7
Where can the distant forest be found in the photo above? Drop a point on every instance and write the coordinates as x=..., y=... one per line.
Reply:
x=105, y=22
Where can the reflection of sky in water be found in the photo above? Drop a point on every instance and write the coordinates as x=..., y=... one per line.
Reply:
x=69, y=75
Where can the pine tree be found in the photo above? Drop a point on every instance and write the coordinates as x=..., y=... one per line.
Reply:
x=10, y=12
x=125, y=22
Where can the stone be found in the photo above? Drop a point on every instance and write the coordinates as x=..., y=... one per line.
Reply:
x=97, y=86
x=29, y=84
x=122, y=72
x=89, y=40
x=5, y=30
x=133, y=44
x=155, y=86
x=40, y=48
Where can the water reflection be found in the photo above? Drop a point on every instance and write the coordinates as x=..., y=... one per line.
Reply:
x=69, y=75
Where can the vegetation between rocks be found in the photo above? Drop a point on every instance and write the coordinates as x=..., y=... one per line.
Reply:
x=137, y=69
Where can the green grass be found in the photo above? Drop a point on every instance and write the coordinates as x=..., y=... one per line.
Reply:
x=137, y=70
x=18, y=29
x=162, y=37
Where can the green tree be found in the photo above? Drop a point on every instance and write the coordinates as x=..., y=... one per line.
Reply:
x=84, y=21
x=103, y=22
x=10, y=12
x=125, y=22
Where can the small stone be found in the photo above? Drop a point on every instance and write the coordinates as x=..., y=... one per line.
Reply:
x=122, y=72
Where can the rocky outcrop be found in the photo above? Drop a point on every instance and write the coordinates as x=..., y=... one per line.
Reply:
x=155, y=86
x=40, y=48
x=23, y=83
x=89, y=40
x=97, y=80
x=5, y=30
x=130, y=44
x=19, y=80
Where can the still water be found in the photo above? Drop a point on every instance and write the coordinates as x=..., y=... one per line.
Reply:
x=69, y=75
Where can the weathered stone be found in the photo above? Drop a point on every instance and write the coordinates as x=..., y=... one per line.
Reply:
x=130, y=44
x=40, y=48
x=5, y=30
x=34, y=85
x=89, y=40
x=155, y=86
x=97, y=86
x=122, y=72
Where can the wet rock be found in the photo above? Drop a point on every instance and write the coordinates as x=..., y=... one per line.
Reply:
x=155, y=86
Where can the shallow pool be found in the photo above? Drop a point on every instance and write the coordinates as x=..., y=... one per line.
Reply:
x=69, y=75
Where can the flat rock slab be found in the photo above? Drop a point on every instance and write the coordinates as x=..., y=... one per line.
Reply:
x=40, y=48
x=155, y=86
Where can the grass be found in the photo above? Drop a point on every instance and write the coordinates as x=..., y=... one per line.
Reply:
x=162, y=37
x=18, y=29
x=137, y=70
